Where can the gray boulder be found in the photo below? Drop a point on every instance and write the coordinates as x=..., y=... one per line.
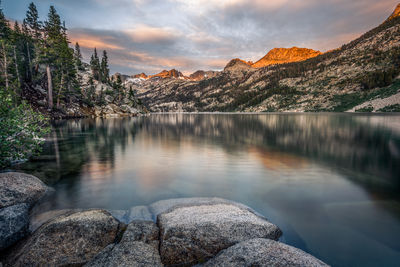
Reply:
x=14, y=221
x=193, y=232
x=263, y=252
x=162, y=206
x=37, y=220
x=138, y=247
x=71, y=239
x=16, y=188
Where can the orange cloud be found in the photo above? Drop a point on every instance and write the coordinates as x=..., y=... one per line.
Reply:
x=147, y=34
x=90, y=41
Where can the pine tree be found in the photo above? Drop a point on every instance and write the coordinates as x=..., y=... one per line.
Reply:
x=105, y=71
x=78, y=57
x=95, y=66
x=28, y=51
x=53, y=41
x=118, y=88
x=17, y=41
x=5, y=33
x=32, y=20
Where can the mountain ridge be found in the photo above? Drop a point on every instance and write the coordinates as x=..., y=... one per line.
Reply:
x=339, y=80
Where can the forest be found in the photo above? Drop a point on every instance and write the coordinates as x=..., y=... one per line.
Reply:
x=37, y=56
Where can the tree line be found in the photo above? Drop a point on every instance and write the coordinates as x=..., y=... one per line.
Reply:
x=37, y=52
x=36, y=55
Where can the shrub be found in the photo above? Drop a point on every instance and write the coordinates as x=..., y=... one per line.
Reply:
x=21, y=132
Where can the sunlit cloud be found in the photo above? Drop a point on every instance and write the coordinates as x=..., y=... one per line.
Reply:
x=152, y=35
x=147, y=34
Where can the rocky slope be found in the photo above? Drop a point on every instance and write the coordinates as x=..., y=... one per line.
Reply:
x=360, y=71
x=99, y=99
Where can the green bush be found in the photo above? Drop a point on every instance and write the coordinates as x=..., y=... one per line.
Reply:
x=21, y=132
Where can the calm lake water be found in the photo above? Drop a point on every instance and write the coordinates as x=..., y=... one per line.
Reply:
x=331, y=182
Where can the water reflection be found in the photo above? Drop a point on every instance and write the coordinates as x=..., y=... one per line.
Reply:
x=330, y=181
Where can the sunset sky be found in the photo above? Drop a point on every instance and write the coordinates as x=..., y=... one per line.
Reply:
x=152, y=35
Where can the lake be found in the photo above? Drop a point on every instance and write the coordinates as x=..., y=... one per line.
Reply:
x=331, y=182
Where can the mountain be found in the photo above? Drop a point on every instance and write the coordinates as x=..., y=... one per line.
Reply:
x=238, y=64
x=140, y=75
x=362, y=75
x=201, y=75
x=285, y=55
x=168, y=74
x=396, y=13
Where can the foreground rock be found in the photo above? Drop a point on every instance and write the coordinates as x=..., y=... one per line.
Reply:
x=138, y=247
x=16, y=188
x=263, y=252
x=18, y=193
x=188, y=231
x=194, y=233
x=71, y=239
x=14, y=221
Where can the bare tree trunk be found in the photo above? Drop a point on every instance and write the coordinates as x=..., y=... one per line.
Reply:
x=59, y=90
x=5, y=65
x=29, y=60
x=17, y=69
x=49, y=86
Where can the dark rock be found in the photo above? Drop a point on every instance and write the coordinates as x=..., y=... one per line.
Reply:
x=195, y=231
x=263, y=252
x=72, y=239
x=16, y=188
x=14, y=222
x=138, y=247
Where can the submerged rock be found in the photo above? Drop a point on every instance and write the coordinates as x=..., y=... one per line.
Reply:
x=72, y=239
x=263, y=252
x=192, y=233
x=16, y=188
x=138, y=247
x=14, y=221
x=137, y=213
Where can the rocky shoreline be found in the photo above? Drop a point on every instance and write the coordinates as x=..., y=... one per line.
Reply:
x=175, y=232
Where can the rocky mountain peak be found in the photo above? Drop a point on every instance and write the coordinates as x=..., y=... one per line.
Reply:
x=237, y=64
x=285, y=55
x=140, y=75
x=396, y=12
x=168, y=74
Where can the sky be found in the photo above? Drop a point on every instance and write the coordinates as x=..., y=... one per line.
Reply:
x=188, y=35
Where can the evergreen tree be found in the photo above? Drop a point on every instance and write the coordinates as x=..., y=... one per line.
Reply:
x=105, y=71
x=32, y=20
x=28, y=51
x=118, y=88
x=51, y=47
x=5, y=33
x=78, y=57
x=95, y=66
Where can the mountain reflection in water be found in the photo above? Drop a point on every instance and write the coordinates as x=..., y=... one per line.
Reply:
x=330, y=181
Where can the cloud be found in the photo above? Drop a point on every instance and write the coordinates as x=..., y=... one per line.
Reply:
x=152, y=35
x=148, y=34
